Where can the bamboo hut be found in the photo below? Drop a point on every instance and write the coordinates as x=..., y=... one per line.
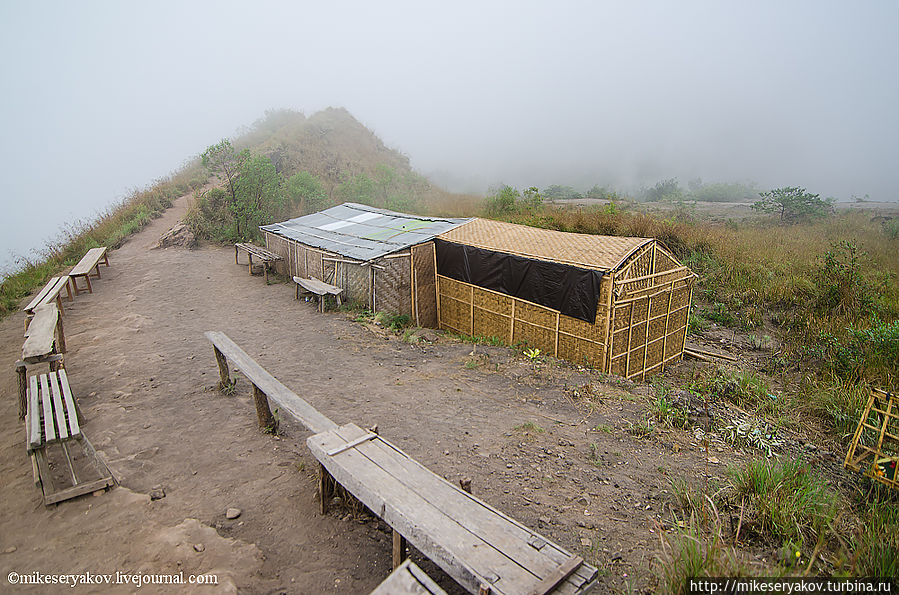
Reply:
x=618, y=304
x=382, y=259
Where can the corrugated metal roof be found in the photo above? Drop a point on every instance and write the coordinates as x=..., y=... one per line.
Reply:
x=362, y=232
x=579, y=249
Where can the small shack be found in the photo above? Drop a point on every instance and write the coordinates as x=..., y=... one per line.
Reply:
x=618, y=304
x=380, y=258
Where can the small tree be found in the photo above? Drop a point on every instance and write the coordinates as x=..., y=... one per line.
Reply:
x=305, y=190
x=531, y=199
x=259, y=196
x=793, y=204
x=224, y=161
x=502, y=201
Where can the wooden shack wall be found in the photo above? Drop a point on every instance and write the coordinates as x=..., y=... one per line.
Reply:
x=650, y=312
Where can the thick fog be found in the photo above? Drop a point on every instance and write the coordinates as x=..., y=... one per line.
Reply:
x=101, y=97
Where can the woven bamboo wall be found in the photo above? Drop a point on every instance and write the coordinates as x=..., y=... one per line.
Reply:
x=471, y=310
x=424, y=282
x=393, y=285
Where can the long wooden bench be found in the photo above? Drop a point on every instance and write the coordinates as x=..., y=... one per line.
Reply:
x=318, y=288
x=88, y=263
x=265, y=256
x=265, y=386
x=50, y=293
x=53, y=418
x=408, y=579
x=484, y=550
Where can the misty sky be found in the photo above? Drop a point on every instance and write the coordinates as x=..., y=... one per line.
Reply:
x=102, y=97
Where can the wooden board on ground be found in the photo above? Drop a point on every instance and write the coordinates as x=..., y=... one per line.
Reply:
x=286, y=399
x=408, y=579
x=473, y=542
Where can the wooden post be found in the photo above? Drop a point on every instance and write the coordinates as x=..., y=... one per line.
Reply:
x=263, y=412
x=324, y=487
x=399, y=549
x=22, y=381
x=223, y=368
x=250, y=257
x=235, y=254
x=60, y=334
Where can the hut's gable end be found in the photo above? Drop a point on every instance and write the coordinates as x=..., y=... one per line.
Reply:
x=649, y=314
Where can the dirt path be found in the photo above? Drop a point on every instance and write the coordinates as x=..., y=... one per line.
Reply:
x=144, y=374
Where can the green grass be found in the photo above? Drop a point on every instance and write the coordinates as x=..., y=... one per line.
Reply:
x=784, y=499
x=877, y=551
x=688, y=553
x=530, y=427
x=740, y=387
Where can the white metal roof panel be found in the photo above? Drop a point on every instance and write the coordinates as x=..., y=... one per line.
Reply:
x=362, y=232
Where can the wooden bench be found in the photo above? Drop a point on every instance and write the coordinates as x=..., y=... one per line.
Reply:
x=89, y=262
x=318, y=288
x=484, y=550
x=265, y=386
x=53, y=418
x=264, y=256
x=408, y=579
x=45, y=342
x=49, y=293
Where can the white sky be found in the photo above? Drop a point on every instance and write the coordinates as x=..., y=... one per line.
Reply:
x=101, y=97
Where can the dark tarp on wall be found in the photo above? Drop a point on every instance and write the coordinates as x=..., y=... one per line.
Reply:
x=571, y=290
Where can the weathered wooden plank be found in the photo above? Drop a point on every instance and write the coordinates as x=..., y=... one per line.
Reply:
x=259, y=252
x=408, y=579
x=71, y=408
x=509, y=538
x=90, y=260
x=550, y=581
x=462, y=554
x=78, y=490
x=286, y=399
x=47, y=407
x=34, y=414
x=62, y=430
x=39, y=298
x=40, y=336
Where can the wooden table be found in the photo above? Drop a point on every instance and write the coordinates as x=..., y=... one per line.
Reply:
x=484, y=550
x=264, y=255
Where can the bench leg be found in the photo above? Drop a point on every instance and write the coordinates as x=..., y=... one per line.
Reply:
x=265, y=271
x=106, y=259
x=399, y=549
x=60, y=335
x=325, y=487
x=96, y=268
x=22, y=381
x=250, y=257
x=69, y=284
x=59, y=304
x=88, y=279
x=224, y=375
x=263, y=412
x=47, y=486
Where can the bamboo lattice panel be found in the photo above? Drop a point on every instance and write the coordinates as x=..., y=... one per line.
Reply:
x=393, y=286
x=874, y=449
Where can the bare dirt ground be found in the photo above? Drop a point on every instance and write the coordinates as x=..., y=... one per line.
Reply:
x=546, y=443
